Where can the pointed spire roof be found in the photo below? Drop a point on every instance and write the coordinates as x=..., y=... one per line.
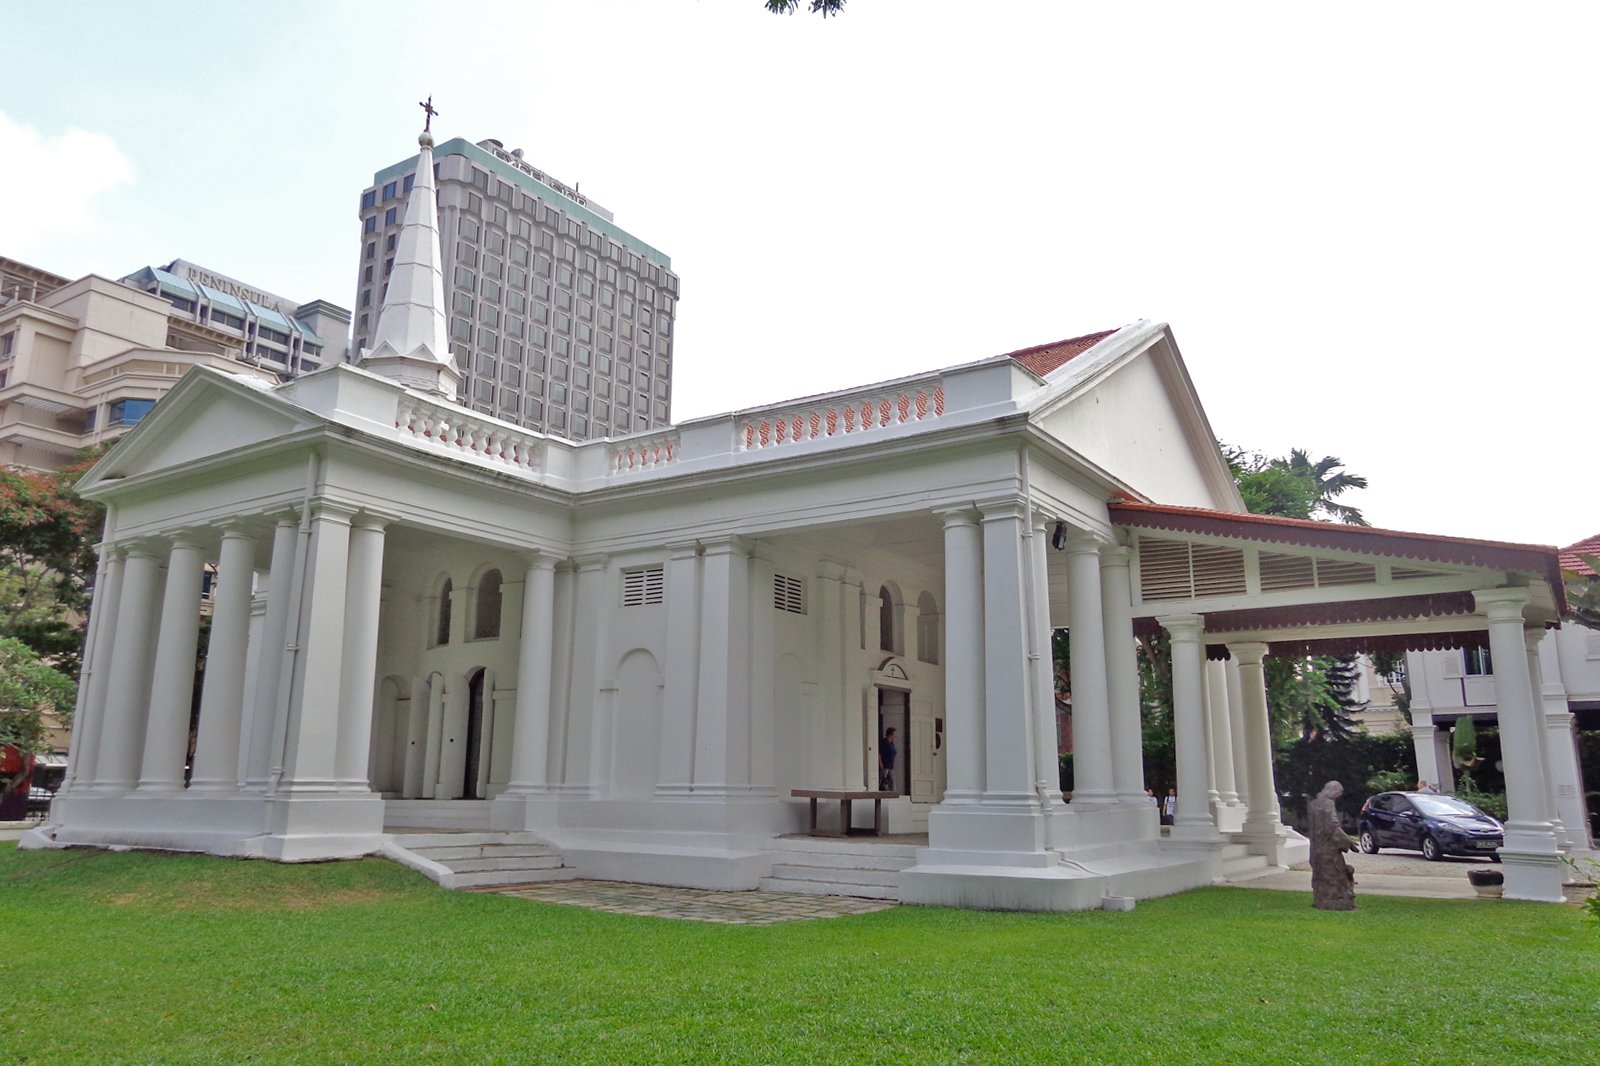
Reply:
x=411, y=343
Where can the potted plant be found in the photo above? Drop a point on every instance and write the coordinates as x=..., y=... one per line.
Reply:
x=1490, y=883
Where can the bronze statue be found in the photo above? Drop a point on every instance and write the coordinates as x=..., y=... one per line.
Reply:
x=1333, y=881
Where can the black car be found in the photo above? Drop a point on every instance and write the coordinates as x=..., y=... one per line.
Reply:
x=1432, y=824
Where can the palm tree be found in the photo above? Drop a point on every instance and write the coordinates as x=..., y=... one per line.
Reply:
x=1328, y=482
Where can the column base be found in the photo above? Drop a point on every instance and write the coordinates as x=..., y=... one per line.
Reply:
x=1010, y=834
x=1533, y=875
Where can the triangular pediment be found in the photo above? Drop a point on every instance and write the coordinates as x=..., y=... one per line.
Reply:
x=208, y=413
x=1129, y=406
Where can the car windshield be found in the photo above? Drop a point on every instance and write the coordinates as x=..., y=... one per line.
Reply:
x=1445, y=805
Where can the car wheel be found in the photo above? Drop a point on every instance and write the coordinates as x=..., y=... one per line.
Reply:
x=1430, y=849
x=1369, y=845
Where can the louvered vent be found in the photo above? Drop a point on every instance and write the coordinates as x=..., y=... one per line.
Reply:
x=643, y=586
x=1332, y=572
x=1218, y=570
x=788, y=594
x=1164, y=570
x=1285, y=572
x=1406, y=573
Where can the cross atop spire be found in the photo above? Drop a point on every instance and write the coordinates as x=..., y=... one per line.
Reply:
x=429, y=110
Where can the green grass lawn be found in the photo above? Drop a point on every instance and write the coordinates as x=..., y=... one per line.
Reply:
x=156, y=958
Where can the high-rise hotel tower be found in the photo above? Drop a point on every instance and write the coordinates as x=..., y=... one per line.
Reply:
x=559, y=320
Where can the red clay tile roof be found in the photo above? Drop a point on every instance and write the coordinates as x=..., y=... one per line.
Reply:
x=1493, y=554
x=1043, y=358
x=1571, y=555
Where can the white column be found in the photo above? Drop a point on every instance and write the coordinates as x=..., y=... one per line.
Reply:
x=1531, y=638
x=359, y=656
x=312, y=736
x=166, y=739
x=270, y=654
x=1091, y=713
x=1424, y=740
x=1262, y=819
x=1530, y=854
x=1188, y=725
x=97, y=665
x=1007, y=702
x=1122, y=676
x=722, y=721
x=1217, y=715
x=530, y=755
x=216, y=751
x=128, y=701
x=1046, y=733
x=589, y=597
x=681, y=672
x=1236, y=731
x=964, y=658
x=1561, y=745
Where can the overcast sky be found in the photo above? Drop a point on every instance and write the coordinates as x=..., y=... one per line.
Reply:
x=1372, y=227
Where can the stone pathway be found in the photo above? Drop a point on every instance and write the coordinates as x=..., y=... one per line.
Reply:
x=1394, y=873
x=694, y=904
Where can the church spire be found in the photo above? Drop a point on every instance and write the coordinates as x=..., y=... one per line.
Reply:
x=411, y=343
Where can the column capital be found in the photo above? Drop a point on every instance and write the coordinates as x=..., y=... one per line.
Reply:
x=333, y=511
x=732, y=544
x=1248, y=654
x=238, y=526
x=1424, y=732
x=1501, y=605
x=192, y=539
x=374, y=520
x=1006, y=508
x=1115, y=555
x=538, y=560
x=283, y=516
x=1082, y=542
x=683, y=549
x=1533, y=636
x=143, y=548
x=591, y=562
x=1189, y=627
x=965, y=515
x=828, y=570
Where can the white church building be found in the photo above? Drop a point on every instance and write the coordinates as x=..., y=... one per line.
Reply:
x=636, y=650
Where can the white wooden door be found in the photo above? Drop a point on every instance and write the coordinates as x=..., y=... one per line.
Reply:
x=923, y=758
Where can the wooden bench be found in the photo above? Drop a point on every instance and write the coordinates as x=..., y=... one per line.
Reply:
x=845, y=796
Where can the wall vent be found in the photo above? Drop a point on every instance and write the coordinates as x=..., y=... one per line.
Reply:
x=1176, y=570
x=643, y=586
x=788, y=594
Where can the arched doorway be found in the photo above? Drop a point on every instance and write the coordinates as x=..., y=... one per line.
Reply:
x=471, y=787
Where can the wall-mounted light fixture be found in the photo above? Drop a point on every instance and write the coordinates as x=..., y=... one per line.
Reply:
x=1058, y=539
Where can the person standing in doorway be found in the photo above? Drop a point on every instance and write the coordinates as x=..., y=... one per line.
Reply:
x=1169, y=807
x=886, y=755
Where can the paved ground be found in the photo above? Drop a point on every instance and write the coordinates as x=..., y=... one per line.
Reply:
x=695, y=904
x=1395, y=873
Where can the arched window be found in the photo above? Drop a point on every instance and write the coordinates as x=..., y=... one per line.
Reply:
x=441, y=632
x=927, y=629
x=486, y=624
x=886, y=633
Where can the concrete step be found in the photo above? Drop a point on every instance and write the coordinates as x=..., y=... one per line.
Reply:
x=835, y=875
x=1233, y=850
x=845, y=860
x=486, y=878
x=828, y=888
x=845, y=846
x=1243, y=865
x=481, y=851
x=415, y=841
x=539, y=862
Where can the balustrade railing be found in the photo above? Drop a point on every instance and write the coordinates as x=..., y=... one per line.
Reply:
x=859, y=413
x=642, y=453
x=454, y=431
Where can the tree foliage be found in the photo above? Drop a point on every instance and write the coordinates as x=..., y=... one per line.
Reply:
x=29, y=689
x=47, y=559
x=1293, y=486
x=817, y=7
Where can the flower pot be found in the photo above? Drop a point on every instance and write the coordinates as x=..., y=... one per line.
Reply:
x=1489, y=891
x=1487, y=883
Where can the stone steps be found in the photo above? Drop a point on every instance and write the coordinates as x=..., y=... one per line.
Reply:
x=481, y=859
x=821, y=867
